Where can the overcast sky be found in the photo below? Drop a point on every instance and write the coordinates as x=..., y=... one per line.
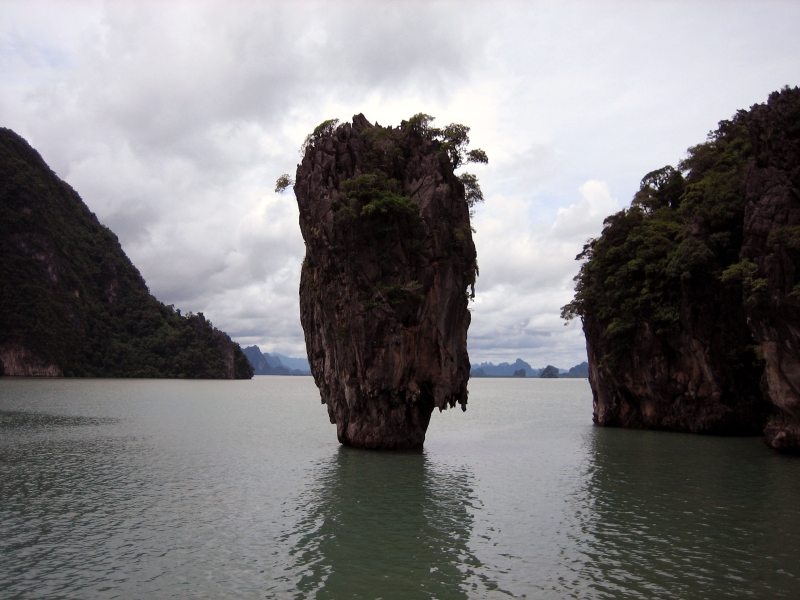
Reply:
x=172, y=120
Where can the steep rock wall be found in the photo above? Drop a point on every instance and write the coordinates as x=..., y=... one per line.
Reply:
x=683, y=383
x=385, y=281
x=772, y=243
x=17, y=361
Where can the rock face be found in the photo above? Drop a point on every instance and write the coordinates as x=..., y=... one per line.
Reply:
x=690, y=299
x=73, y=304
x=386, y=280
x=772, y=244
x=683, y=383
x=18, y=361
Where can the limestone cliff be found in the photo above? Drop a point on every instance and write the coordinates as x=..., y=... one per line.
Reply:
x=73, y=304
x=689, y=298
x=771, y=254
x=387, y=275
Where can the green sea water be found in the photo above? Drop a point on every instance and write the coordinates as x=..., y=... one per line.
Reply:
x=239, y=489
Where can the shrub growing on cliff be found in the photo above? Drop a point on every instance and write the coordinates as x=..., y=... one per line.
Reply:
x=283, y=183
x=372, y=214
x=454, y=141
x=325, y=128
x=372, y=208
x=386, y=154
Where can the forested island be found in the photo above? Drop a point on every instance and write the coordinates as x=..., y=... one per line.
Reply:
x=690, y=298
x=72, y=303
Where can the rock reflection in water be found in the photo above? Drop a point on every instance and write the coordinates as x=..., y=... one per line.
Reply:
x=664, y=515
x=386, y=525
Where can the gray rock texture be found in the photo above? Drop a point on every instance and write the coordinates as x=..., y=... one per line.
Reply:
x=385, y=282
x=683, y=383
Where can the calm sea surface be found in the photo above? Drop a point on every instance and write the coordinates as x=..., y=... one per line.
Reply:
x=212, y=489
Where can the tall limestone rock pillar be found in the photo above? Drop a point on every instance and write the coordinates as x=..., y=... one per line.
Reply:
x=387, y=276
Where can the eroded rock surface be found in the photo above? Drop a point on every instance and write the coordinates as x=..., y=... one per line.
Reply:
x=772, y=243
x=681, y=383
x=386, y=280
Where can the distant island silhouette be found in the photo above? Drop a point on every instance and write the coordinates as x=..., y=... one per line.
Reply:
x=520, y=368
x=275, y=364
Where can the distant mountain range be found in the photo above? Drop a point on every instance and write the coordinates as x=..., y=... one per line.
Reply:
x=275, y=364
x=278, y=364
x=520, y=368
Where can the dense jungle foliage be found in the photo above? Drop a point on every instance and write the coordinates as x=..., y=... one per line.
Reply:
x=387, y=150
x=70, y=295
x=676, y=248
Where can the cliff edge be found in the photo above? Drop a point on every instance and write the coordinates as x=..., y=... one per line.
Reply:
x=387, y=275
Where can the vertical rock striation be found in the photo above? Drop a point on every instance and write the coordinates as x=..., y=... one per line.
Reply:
x=386, y=278
x=700, y=378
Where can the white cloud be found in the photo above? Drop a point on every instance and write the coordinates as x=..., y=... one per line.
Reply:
x=581, y=221
x=173, y=120
x=527, y=271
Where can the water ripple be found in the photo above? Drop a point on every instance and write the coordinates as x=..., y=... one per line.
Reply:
x=147, y=489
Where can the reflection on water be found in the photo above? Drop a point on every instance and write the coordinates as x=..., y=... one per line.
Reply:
x=676, y=516
x=155, y=489
x=385, y=525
